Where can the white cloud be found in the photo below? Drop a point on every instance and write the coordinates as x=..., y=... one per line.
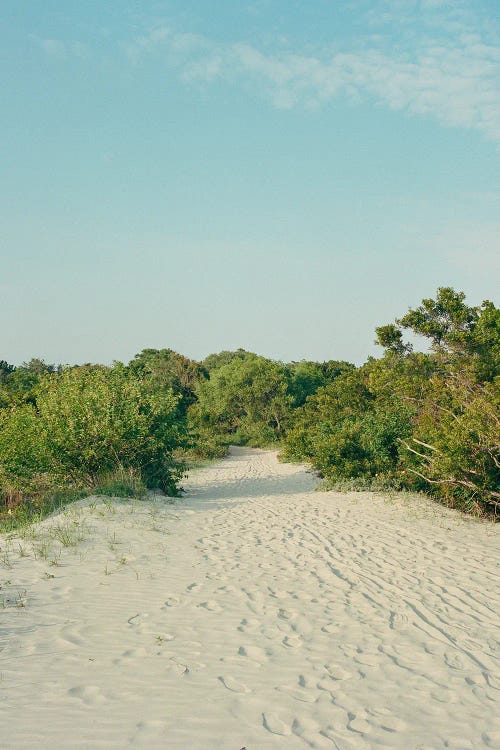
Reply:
x=61, y=50
x=457, y=85
x=432, y=58
x=53, y=47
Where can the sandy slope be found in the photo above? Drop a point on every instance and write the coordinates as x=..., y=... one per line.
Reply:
x=253, y=613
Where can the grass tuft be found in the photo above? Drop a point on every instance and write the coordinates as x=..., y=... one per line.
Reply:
x=121, y=483
x=35, y=508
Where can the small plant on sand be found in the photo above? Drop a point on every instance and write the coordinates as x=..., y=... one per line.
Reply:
x=42, y=550
x=69, y=534
x=107, y=508
x=21, y=599
x=5, y=558
x=112, y=541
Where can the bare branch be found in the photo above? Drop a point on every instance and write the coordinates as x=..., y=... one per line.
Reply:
x=426, y=445
x=469, y=485
x=412, y=450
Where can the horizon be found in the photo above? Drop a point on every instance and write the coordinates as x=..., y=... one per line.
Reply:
x=278, y=179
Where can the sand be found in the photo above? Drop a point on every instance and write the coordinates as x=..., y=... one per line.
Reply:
x=253, y=613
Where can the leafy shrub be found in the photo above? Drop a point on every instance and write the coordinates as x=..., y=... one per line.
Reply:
x=455, y=444
x=89, y=421
x=245, y=401
x=423, y=421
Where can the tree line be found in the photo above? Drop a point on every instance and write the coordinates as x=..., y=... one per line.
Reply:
x=420, y=420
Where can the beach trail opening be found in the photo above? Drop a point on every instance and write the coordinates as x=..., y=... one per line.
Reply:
x=253, y=612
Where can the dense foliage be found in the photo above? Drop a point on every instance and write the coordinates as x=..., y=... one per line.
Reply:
x=250, y=400
x=427, y=421
x=78, y=426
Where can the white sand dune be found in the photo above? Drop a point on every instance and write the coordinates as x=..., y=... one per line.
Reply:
x=252, y=613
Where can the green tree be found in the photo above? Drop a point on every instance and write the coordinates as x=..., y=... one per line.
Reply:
x=245, y=400
x=214, y=361
x=165, y=370
x=5, y=370
x=305, y=378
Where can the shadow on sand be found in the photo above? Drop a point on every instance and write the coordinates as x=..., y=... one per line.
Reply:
x=211, y=494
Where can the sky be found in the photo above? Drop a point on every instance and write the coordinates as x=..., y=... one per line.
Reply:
x=278, y=176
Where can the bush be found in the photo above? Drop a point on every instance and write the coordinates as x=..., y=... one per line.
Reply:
x=422, y=421
x=89, y=421
x=245, y=401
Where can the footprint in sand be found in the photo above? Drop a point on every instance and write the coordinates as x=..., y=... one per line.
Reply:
x=227, y=590
x=398, y=621
x=299, y=694
x=253, y=652
x=359, y=725
x=286, y=614
x=492, y=739
x=492, y=681
x=349, y=650
x=211, y=606
x=231, y=684
x=292, y=641
x=337, y=672
x=131, y=653
x=326, y=684
x=453, y=660
x=150, y=730
x=138, y=619
x=475, y=680
x=178, y=667
x=459, y=743
x=193, y=587
x=368, y=660
x=89, y=694
x=172, y=601
x=332, y=733
x=443, y=695
x=330, y=627
x=275, y=725
x=386, y=720
x=248, y=625
x=277, y=593
x=71, y=634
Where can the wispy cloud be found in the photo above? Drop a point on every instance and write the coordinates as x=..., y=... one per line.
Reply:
x=58, y=49
x=53, y=47
x=431, y=58
x=455, y=82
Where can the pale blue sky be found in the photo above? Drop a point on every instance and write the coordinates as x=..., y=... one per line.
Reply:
x=281, y=176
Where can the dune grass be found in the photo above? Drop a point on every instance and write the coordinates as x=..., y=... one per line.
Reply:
x=32, y=508
x=37, y=507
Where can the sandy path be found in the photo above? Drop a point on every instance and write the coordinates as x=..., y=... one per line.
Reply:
x=253, y=613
